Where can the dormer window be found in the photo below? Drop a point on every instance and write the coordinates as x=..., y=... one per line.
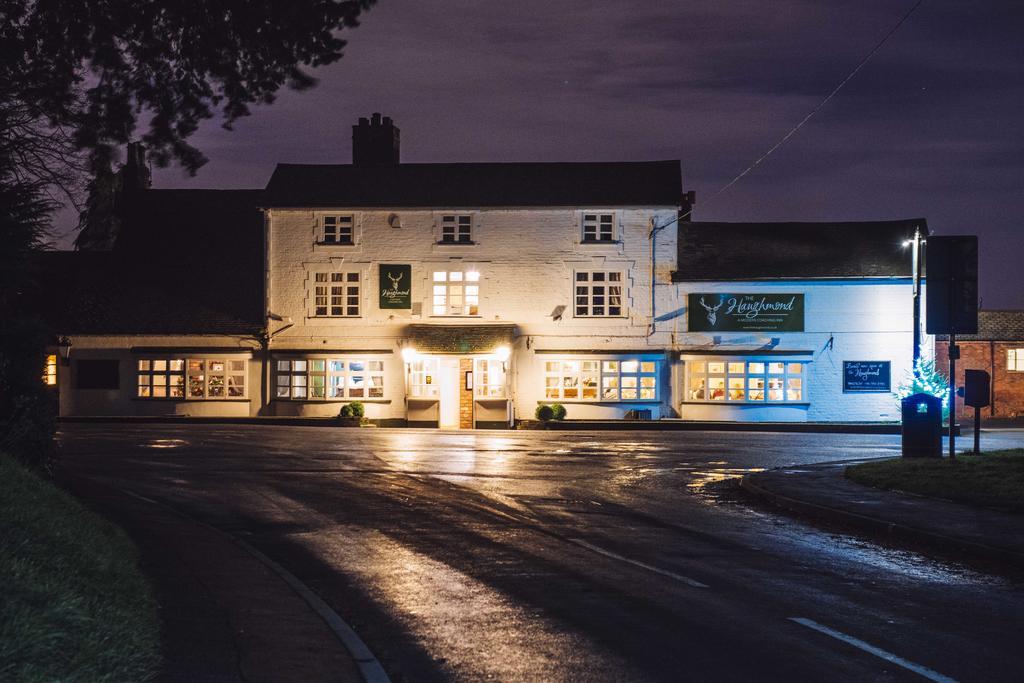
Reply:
x=338, y=229
x=598, y=227
x=457, y=229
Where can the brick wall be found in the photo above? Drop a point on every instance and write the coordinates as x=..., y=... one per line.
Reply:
x=465, y=395
x=1007, y=386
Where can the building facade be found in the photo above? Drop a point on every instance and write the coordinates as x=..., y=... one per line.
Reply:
x=466, y=295
x=998, y=349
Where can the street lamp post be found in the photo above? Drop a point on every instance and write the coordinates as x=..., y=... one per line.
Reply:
x=915, y=266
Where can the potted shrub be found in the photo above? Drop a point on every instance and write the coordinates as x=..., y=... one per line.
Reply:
x=544, y=413
x=558, y=412
x=352, y=414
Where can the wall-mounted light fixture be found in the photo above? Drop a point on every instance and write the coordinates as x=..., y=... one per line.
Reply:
x=409, y=354
x=469, y=380
x=64, y=348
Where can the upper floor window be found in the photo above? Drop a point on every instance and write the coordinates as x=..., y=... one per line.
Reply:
x=598, y=227
x=456, y=293
x=599, y=294
x=1015, y=360
x=338, y=229
x=457, y=229
x=336, y=295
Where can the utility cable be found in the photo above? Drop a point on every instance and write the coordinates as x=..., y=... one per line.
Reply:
x=805, y=119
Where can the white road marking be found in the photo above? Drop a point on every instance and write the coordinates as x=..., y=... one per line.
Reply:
x=871, y=649
x=636, y=563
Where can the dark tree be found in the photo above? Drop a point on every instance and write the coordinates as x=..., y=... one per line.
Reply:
x=94, y=67
x=76, y=77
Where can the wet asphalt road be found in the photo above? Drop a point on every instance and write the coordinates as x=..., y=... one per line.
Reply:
x=573, y=556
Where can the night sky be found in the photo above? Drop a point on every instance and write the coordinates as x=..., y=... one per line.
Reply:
x=931, y=127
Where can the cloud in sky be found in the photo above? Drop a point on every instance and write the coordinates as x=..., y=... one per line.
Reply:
x=930, y=127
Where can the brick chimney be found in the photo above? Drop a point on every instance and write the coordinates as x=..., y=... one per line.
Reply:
x=375, y=141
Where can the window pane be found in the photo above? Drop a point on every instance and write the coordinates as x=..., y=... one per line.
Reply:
x=316, y=365
x=143, y=365
x=716, y=368
x=775, y=368
x=736, y=389
x=647, y=366
x=698, y=366
x=284, y=365
x=299, y=366
x=794, y=368
x=755, y=368
x=736, y=368
x=630, y=366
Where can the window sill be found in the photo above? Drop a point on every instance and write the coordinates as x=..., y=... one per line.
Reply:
x=761, y=404
x=335, y=244
x=333, y=317
x=330, y=400
x=179, y=399
x=609, y=243
x=600, y=317
x=442, y=243
x=455, y=317
x=579, y=401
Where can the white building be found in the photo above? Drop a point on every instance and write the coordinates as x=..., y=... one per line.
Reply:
x=466, y=295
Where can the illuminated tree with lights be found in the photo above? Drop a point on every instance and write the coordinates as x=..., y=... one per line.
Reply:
x=925, y=378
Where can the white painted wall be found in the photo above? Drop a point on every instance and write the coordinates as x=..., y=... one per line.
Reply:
x=866, y=319
x=526, y=258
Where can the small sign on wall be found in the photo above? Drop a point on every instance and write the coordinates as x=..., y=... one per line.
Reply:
x=867, y=377
x=395, y=283
x=722, y=312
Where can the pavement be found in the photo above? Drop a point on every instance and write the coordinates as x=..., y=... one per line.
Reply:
x=523, y=555
x=822, y=491
x=225, y=615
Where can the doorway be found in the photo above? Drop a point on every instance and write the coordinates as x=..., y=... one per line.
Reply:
x=448, y=385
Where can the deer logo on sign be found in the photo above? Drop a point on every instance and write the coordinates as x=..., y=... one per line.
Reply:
x=395, y=280
x=712, y=311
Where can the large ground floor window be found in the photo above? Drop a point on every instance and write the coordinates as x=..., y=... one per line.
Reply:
x=745, y=381
x=191, y=378
x=601, y=380
x=319, y=379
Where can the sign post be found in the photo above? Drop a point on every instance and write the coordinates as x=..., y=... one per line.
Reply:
x=977, y=392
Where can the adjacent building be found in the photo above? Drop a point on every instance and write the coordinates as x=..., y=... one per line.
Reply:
x=465, y=295
x=998, y=349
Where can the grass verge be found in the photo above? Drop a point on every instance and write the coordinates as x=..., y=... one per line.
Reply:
x=73, y=605
x=993, y=480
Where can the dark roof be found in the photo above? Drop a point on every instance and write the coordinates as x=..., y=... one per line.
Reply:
x=995, y=326
x=648, y=183
x=759, y=251
x=185, y=262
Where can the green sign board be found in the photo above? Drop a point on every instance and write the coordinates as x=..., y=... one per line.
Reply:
x=395, y=284
x=721, y=312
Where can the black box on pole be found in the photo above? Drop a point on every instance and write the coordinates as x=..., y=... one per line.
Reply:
x=952, y=277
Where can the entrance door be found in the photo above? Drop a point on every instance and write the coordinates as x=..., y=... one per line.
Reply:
x=449, y=392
